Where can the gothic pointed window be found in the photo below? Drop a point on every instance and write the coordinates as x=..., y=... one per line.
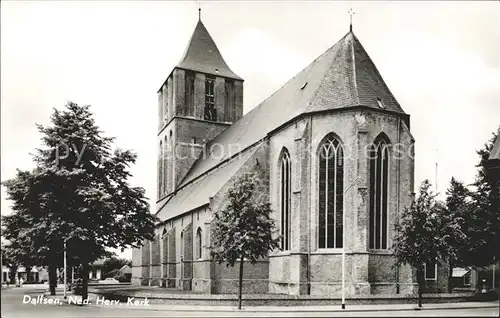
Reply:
x=165, y=166
x=160, y=108
x=199, y=246
x=181, y=241
x=379, y=192
x=285, y=199
x=165, y=246
x=210, y=112
x=160, y=170
x=331, y=193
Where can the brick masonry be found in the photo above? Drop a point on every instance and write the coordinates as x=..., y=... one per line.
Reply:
x=304, y=269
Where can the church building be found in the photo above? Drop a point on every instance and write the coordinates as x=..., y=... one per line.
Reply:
x=334, y=148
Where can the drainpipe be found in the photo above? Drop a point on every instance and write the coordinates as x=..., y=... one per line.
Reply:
x=309, y=213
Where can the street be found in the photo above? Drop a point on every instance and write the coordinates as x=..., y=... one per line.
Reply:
x=12, y=307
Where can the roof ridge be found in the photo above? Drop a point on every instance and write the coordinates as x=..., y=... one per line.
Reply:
x=211, y=169
x=253, y=111
x=355, y=78
x=375, y=69
x=331, y=48
x=313, y=97
x=249, y=151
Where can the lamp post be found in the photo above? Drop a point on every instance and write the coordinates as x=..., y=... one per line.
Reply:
x=72, y=277
x=344, y=244
x=65, y=274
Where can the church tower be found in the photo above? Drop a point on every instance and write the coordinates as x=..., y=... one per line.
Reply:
x=200, y=98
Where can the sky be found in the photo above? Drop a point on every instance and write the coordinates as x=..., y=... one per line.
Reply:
x=441, y=60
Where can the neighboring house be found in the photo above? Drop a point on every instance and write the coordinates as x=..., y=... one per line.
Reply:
x=463, y=278
x=5, y=274
x=125, y=272
x=322, y=143
x=37, y=274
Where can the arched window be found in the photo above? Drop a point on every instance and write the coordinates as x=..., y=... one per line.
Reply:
x=182, y=245
x=331, y=195
x=285, y=199
x=160, y=170
x=379, y=184
x=165, y=246
x=165, y=167
x=199, y=245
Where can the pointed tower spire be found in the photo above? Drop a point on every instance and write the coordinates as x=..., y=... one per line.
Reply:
x=202, y=54
x=351, y=13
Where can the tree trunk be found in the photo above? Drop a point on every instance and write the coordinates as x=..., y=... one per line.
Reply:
x=52, y=279
x=85, y=286
x=450, y=277
x=12, y=274
x=28, y=274
x=241, y=283
x=420, y=285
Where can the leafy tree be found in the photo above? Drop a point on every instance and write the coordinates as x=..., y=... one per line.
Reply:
x=484, y=233
x=79, y=194
x=111, y=266
x=457, y=216
x=422, y=234
x=8, y=261
x=19, y=229
x=486, y=236
x=243, y=229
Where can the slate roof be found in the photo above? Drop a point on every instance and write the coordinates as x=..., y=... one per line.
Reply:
x=495, y=151
x=344, y=76
x=198, y=193
x=125, y=269
x=202, y=55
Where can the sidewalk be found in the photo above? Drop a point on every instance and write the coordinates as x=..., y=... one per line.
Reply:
x=93, y=299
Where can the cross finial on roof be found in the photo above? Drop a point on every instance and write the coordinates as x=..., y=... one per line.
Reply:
x=351, y=13
x=199, y=13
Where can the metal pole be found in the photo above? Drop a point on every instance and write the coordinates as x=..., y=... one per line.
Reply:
x=343, y=263
x=65, y=274
x=344, y=245
x=72, y=276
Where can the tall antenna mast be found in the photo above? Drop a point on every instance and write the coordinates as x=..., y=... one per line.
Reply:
x=436, y=172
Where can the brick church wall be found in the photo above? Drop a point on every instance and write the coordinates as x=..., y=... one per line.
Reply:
x=136, y=266
x=366, y=271
x=172, y=258
x=145, y=263
x=201, y=263
x=187, y=262
x=255, y=279
x=155, y=262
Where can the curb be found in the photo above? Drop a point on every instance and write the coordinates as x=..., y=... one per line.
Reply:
x=280, y=309
x=260, y=309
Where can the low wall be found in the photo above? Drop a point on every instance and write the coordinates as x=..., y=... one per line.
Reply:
x=162, y=296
